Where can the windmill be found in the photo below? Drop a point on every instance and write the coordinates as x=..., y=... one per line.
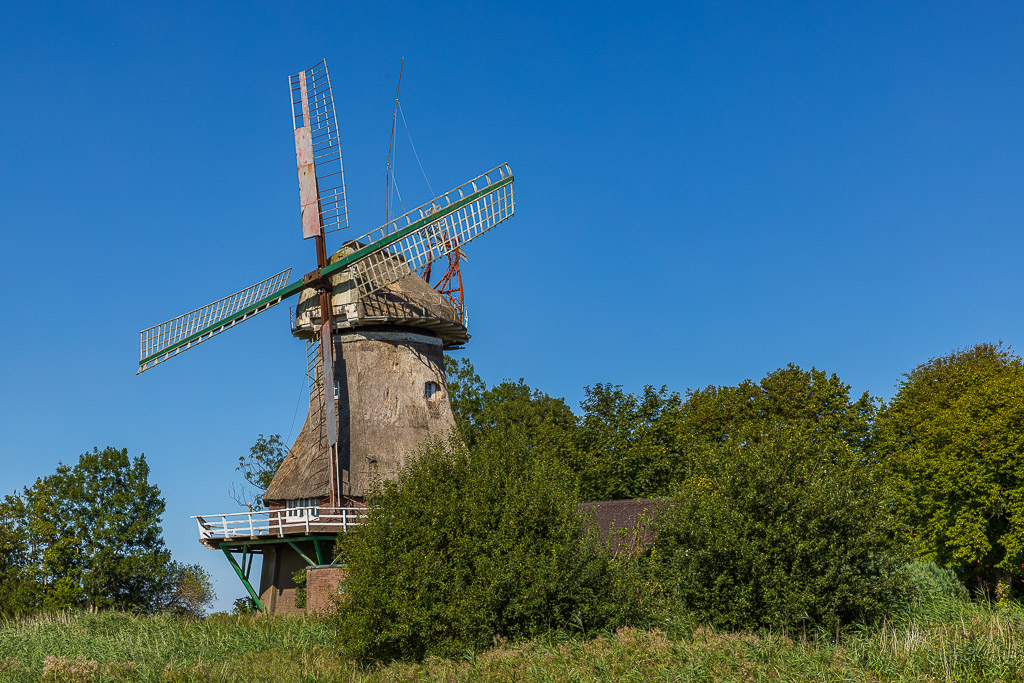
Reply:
x=374, y=329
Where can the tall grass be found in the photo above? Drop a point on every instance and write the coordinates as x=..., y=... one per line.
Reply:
x=167, y=647
x=977, y=643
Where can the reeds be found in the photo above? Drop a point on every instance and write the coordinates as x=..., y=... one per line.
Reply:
x=971, y=642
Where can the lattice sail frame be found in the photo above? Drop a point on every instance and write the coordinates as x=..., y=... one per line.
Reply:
x=439, y=238
x=394, y=250
x=322, y=121
x=168, y=339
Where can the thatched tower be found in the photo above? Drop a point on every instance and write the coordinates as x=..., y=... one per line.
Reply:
x=391, y=395
x=389, y=384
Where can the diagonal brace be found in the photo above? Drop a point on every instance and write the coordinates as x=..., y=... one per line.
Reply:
x=303, y=555
x=244, y=579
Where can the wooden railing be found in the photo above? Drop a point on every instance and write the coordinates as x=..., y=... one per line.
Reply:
x=287, y=522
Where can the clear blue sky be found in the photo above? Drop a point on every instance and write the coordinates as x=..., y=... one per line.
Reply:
x=705, y=192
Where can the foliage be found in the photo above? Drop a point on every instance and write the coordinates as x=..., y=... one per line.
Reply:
x=774, y=529
x=258, y=470
x=243, y=606
x=465, y=390
x=188, y=592
x=468, y=546
x=17, y=589
x=627, y=444
x=953, y=442
x=811, y=402
x=91, y=537
x=639, y=446
x=545, y=421
x=299, y=577
x=935, y=593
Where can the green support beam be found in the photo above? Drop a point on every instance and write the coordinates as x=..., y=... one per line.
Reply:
x=319, y=553
x=275, y=540
x=244, y=579
x=303, y=555
x=369, y=249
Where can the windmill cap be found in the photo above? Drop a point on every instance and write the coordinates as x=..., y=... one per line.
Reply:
x=409, y=302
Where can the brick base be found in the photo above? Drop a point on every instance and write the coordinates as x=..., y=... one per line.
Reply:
x=322, y=584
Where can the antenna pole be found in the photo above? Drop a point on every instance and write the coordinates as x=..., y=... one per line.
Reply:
x=391, y=144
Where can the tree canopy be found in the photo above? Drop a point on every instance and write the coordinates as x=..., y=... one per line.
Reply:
x=258, y=469
x=89, y=536
x=953, y=444
x=480, y=410
x=636, y=446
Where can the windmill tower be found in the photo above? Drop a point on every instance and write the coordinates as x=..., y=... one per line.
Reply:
x=374, y=330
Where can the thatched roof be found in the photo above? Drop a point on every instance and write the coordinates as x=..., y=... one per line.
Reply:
x=304, y=472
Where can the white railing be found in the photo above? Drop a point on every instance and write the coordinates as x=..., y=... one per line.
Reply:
x=285, y=522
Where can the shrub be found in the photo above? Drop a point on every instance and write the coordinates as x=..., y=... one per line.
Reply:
x=470, y=546
x=934, y=593
x=778, y=530
x=299, y=577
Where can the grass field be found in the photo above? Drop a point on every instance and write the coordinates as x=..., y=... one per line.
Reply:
x=975, y=643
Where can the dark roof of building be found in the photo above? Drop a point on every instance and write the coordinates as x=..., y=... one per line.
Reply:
x=623, y=524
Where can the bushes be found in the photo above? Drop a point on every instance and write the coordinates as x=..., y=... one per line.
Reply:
x=934, y=593
x=779, y=516
x=469, y=546
x=778, y=530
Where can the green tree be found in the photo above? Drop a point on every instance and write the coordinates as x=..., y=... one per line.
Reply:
x=18, y=592
x=627, y=445
x=92, y=535
x=189, y=591
x=953, y=443
x=466, y=546
x=479, y=410
x=775, y=529
x=258, y=470
x=638, y=446
x=243, y=606
x=811, y=401
x=465, y=390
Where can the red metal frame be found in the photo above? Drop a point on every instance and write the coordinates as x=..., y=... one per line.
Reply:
x=450, y=284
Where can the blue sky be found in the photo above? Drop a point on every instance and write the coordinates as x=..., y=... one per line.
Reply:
x=705, y=192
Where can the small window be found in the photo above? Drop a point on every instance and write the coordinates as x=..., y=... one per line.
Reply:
x=431, y=390
x=303, y=508
x=337, y=390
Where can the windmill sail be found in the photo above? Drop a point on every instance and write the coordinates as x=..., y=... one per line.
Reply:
x=170, y=338
x=318, y=152
x=383, y=256
x=432, y=231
